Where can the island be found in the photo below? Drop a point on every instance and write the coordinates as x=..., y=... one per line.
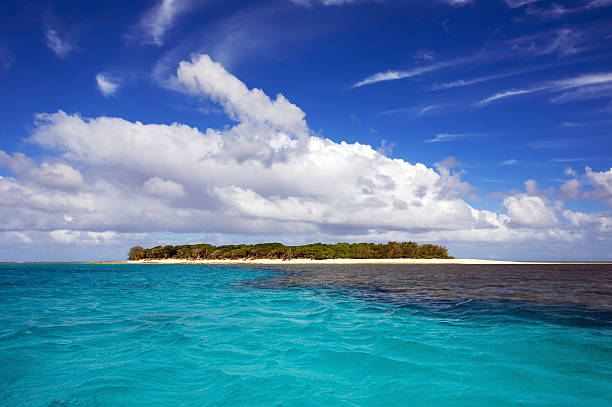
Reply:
x=278, y=251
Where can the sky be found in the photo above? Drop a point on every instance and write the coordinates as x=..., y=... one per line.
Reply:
x=481, y=125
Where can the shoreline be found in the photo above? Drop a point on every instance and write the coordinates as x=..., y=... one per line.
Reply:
x=337, y=261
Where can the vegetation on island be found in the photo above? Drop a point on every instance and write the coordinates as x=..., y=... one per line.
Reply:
x=317, y=251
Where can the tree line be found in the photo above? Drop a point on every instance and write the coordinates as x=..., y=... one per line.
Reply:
x=317, y=251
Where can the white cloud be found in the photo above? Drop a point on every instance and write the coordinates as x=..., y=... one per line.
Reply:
x=570, y=189
x=562, y=42
x=61, y=46
x=309, y=3
x=392, y=75
x=601, y=183
x=511, y=161
x=518, y=3
x=204, y=77
x=57, y=175
x=163, y=188
x=442, y=137
x=155, y=22
x=107, y=85
x=507, y=93
x=266, y=174
x=556, y=10
x=174, y=177
x=593, y=185
x=529, y=211
x=556, y=86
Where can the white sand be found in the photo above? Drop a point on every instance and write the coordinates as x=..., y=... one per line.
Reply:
x=330, y=261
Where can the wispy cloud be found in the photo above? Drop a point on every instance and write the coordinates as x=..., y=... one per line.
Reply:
x=443, y=137
x=511, y=161
x=310, y=3
x=431, y=109
x=556, y=144
x=418, y=110
x=562, y=42
x=61, y=45
x=107, y=85
x=556, y=10
x=155, y=22
x=587, y=124
x=474, y=81
x=556, y=86
x=508, y=93
x=567, y=160
x=424, y=55
x=584, y=93
x=392, y=75
x=6, y=58
x=518, y=3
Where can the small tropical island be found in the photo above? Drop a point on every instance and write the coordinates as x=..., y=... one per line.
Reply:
x=278, y=251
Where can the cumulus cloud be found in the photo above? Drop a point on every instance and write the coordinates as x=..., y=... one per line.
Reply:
x=601, y=183
x=163, y=188
x=266, y=170
x=57, y=175
x=592, y=185
x=570, y=189
x=110, y=178
x=107, y=85
x=529, y=211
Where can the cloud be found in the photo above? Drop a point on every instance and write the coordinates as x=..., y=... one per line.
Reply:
x=511, y=161
x=107, y=85
x=518, y=3
x=592, y=185
x=601, y=184
x=442, y=137
x=163, y=188
x=424, y=55
x=266, y=172
x=507, y=93
x=62, y=46
x=584, y=93
x=529, y=211
x=562, y=42
x=6, y=58
x=155, y=22
x=56, y=175
x=392, y=75
x=593, y=79
x=556, y=10
x=107, y=180
x=204, y=77
x=570, y=189
x=309, y=3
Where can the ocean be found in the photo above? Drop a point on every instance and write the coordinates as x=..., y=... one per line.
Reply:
x=309, y=335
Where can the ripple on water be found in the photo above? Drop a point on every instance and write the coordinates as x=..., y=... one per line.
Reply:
x=122, y=335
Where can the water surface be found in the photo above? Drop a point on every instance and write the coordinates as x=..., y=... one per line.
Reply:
x=195, y=335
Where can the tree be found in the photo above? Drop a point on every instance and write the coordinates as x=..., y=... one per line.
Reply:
x=136, y=253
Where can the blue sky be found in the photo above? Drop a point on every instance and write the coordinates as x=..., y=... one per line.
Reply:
x=481, y=125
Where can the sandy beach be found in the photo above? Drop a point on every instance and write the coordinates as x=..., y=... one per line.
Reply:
x=334, y=261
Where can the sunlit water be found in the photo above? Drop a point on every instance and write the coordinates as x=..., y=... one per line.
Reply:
x=184, y=335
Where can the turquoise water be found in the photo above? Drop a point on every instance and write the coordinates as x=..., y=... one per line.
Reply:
x=153, y=335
